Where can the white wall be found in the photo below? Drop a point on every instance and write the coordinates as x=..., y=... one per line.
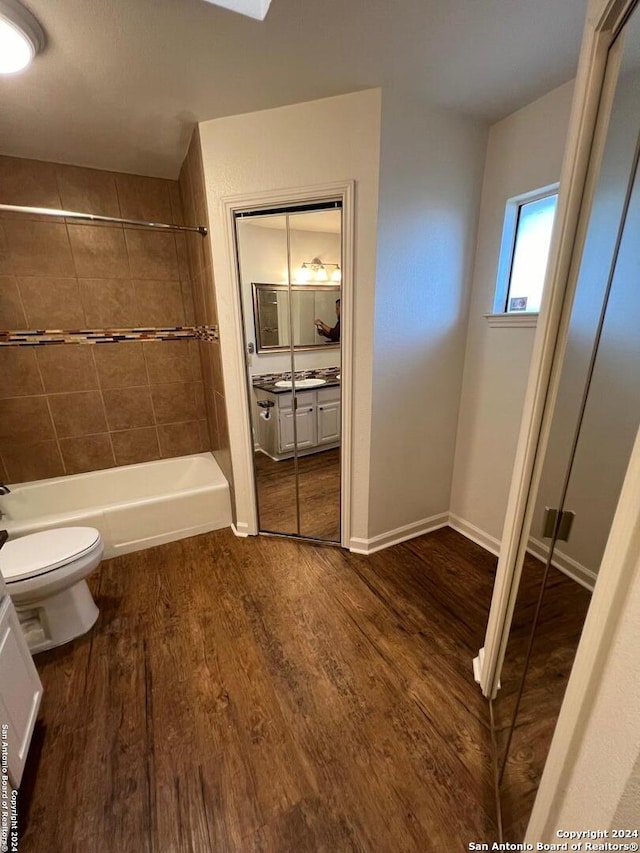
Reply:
x=263, y=258
x=334, y=139
x=430, y=179
x=524, y=153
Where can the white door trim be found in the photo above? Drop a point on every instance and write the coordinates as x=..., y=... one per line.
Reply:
x=344, y=190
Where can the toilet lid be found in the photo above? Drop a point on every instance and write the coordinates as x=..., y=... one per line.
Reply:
x=38, y=553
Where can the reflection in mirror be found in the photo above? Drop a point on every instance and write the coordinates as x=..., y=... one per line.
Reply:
x=319, y=472
x=595, y=422
x=313, y=316
x=290, y=277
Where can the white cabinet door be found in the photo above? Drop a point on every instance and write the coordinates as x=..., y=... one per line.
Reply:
x=20, y=691
x=328, y=423
x=305, y=425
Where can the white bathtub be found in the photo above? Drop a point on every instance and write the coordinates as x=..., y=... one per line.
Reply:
x=133, y=507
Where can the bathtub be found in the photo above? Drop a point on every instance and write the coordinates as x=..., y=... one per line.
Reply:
x=133, y=507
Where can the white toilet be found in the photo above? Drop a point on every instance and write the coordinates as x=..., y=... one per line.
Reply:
x=45, y=575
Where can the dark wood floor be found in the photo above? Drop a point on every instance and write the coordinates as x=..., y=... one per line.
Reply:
x=268, y=695
x=319, y=490
x=564, y=609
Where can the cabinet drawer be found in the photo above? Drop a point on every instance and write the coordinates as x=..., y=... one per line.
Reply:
x=329, y=395
x=304, y=398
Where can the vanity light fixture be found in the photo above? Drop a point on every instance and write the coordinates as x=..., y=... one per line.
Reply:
x=316, y=270
x=21, y=37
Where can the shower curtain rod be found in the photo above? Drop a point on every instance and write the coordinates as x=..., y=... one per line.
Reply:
x=93, y=217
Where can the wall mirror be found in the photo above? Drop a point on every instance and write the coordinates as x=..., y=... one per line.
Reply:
x=289, y=273
x=595, y=421
x=314, y=311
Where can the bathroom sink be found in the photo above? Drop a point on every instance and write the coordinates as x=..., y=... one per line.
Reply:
x=301, y=383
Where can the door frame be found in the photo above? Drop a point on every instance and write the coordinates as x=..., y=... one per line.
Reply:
x=345, y=191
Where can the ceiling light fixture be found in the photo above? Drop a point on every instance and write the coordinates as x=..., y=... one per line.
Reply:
x=21, y=37
x=316, y=270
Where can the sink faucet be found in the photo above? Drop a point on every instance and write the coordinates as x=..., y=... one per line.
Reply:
x=4, y=490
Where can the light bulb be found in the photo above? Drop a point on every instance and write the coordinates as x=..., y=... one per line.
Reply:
x=16, y=51
x=304, y=274
x=321, y=274
x=336, y=275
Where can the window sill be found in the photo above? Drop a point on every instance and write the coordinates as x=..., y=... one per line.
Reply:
x=513, y=319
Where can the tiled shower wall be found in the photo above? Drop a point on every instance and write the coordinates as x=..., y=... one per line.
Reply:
x=68, y=408
x=192, y=190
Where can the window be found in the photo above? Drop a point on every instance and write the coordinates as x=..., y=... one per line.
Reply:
x=524, y=252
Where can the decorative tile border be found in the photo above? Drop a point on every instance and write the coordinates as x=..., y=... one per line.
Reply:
x=207, y=333
x=47, y=337
x=325, y=373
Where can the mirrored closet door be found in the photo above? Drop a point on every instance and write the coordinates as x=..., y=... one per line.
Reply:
x=595, y=421
x=290, y=278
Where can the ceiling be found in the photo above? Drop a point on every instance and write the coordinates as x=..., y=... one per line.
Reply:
x=324, y=221
x=122, y=82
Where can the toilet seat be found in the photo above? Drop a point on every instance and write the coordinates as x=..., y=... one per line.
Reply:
x=40, y=553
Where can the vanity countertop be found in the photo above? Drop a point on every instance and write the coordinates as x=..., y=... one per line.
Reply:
x=270, y=387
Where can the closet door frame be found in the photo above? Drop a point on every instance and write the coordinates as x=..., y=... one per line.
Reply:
x=344, y=191
x=593, y=100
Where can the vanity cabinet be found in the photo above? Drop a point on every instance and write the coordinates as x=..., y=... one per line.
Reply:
x=318, y=420
x=20, y=690
x=305, y=426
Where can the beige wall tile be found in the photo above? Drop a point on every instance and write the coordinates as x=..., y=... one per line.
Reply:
x=109, y=303
x=87, y=190
x=128, y=407
x=99, y=251
x=216, y=363
x=201, y=407
x=67, y=367
x=12, y=314
x=187, y=303
x=181, y=439
x=51, y=303
x=38, y=248
x=177, y=214
x=78, y=413
x=120, y=365
x=25, y=420
x=136, y=445
x=221, y=416
x=28, y=182
x=212, y=420
x=169, y=361
x=208, y=288
x=183, y=256
x=19, y=374
x=26, y=462
x=145, y=199
x=195, y=253
x=175, y=401
x=5, y=266
x=87, y=453
x=152, y=254
x=159, y=302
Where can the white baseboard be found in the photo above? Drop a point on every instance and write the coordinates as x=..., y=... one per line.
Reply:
x=575, y=570
x=400, y=534
x=241, y=529
x=485, y=540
